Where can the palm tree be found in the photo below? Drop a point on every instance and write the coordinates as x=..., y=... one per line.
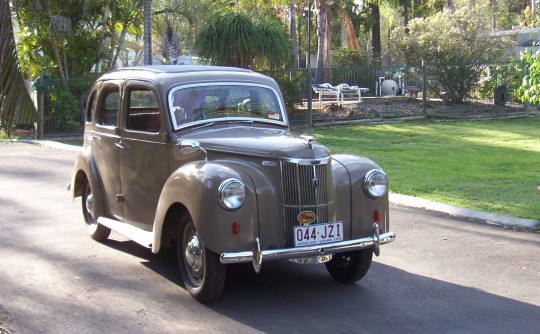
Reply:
x=233, y=39
x=15, y=103
x=168, y=26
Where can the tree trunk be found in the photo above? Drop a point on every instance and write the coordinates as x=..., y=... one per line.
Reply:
x=376, y=34
x=120, y=43
x=102, y=33
x=110, y=57
x=321, y=34
x=328, y=44
x=148, y=32
x=292, y=29
x=406, y=15
x=494, y=9
x=350, y=34
x=55, y=48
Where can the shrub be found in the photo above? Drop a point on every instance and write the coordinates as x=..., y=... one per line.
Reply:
x=345, y=57
x=459, y=40
x=65, y=107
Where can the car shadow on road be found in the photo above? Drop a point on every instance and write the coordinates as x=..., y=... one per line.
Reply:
x=305, y=299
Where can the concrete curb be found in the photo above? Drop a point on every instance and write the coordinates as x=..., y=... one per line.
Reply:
x=397, y=199
x=49, y=144
x=421, y=203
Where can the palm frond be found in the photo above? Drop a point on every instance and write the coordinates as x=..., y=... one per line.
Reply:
x=16, y=107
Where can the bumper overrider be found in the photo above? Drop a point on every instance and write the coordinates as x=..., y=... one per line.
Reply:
x=257, y=255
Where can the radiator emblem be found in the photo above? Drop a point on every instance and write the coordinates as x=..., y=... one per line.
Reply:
x=306, y=217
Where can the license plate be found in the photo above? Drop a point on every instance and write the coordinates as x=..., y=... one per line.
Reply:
x=318, y=234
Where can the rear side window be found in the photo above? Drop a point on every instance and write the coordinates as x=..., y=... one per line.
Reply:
x=143, y=112
x=91, y=106
x=108, y=111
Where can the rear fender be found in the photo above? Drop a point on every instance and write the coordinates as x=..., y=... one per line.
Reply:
x=85, y=169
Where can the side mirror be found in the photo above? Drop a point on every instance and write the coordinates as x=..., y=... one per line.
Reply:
x=191, y=146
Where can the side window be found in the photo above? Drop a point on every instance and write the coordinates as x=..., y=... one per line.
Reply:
x=90, y=107
x=108, y=111
x=143, y=112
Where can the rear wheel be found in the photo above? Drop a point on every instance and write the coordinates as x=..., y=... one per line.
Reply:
x=96, y=231
x=350, y=267
x=202, y=272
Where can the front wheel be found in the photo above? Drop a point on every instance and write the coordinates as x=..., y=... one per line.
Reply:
x=350, y=267
x=202, y=272
x=96, y=231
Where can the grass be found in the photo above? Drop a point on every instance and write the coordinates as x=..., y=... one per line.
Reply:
x=492, y=166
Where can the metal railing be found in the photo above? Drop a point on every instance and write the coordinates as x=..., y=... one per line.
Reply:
x=382, y=93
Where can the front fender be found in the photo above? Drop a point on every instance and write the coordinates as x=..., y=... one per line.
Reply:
x=352, y=198
x=85, y=168
x=195, y=186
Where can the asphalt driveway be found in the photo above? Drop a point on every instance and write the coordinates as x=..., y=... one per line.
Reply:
x=443, y=274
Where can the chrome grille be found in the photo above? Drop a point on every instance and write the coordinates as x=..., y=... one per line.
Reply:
x=307, y=186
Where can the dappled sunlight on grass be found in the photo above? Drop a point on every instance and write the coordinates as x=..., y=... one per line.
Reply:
x=489, y=165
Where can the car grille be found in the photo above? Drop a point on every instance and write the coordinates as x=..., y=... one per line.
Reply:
x=307, y=186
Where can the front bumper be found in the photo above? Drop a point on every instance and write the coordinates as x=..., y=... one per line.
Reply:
x=257, y=255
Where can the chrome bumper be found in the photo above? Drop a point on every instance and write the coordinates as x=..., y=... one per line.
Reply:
x=257, y=255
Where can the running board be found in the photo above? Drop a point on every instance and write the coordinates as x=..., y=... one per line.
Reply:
x=142, y=237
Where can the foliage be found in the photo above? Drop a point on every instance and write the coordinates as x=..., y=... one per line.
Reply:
x=15, y=103
x=345, y=57
x=452, y=39
x=234, y=39
x=530, y=88
x=290, y=85
x=65, y=107
x=509, y=74
x=62, y=31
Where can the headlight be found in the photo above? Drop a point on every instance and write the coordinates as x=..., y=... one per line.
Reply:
x=375, y=183
x=232, y=194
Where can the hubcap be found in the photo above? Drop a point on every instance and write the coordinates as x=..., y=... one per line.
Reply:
x=194, y=254
x=90, y=204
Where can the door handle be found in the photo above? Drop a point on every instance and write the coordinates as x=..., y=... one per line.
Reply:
x=119, y=144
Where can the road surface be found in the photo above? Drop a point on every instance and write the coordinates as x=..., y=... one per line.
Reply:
x=441, y=275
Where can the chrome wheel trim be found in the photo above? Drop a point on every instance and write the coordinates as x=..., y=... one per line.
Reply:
x=88, y=207
x=194, y=256
x=90, y=204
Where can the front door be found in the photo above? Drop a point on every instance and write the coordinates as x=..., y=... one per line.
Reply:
x=144, y=154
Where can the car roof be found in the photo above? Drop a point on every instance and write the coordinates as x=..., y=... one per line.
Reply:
x=156, y=71
x=168, y=75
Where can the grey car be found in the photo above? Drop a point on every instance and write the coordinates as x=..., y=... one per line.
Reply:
x=202, y=159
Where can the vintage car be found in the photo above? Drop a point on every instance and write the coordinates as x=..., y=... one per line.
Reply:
x=202, y=159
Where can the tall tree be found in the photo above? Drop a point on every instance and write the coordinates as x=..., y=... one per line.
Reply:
x=322, y=8
x=15, y=103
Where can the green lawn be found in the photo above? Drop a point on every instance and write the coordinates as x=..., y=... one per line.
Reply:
x=491, y=166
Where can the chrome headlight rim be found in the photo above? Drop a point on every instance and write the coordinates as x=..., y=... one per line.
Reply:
x=375, y=188
x=231, y=194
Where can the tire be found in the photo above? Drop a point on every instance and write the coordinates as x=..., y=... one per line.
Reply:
x=96, y=231
x=202, y=272
x=351, y=266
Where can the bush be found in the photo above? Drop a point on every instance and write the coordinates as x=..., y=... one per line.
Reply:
x=529, y=91
x=65, y=107
x=510, y=75
x=290, y=86
x=459, y=40
x=345, y=57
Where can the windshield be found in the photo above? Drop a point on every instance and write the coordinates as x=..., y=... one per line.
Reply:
x=194, y=104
